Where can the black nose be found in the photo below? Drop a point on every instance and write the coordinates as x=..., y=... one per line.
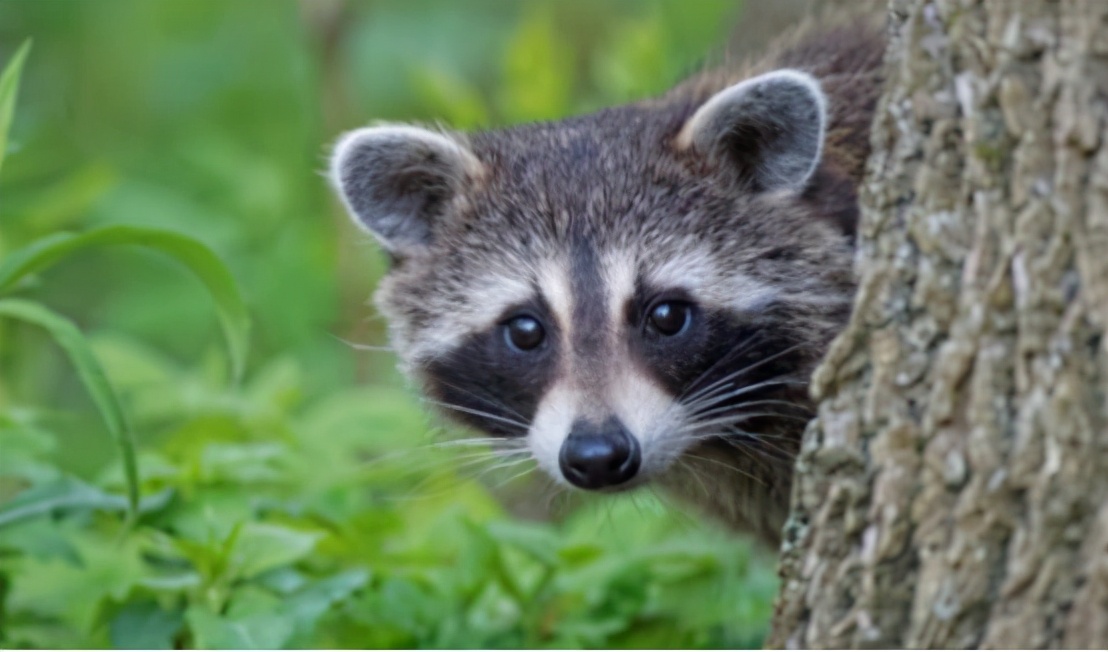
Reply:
x=598, y=456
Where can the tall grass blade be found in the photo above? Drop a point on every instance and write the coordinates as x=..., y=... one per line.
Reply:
x=9, y=85
x=233, y=316
x=69, y=337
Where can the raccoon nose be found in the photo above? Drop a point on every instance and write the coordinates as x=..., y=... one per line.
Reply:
x=599, y=456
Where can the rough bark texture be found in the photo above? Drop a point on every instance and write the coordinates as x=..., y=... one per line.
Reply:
x=954, y=490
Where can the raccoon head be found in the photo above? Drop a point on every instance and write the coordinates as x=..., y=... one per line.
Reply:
x=633, y=292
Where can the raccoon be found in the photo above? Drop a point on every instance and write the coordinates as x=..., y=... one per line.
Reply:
x=638, y=295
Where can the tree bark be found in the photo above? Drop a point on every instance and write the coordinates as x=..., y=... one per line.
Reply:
x=953, y=491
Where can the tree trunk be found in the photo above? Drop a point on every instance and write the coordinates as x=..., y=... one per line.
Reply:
x=954, y=490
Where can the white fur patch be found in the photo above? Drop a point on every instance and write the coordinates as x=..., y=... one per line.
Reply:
x=549, y=428
x=620, y=271
x=700, y=277
x=554, y=283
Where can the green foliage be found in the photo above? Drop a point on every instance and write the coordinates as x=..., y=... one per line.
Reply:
x=9, y=85
x=307, y=505
x=92, y=374
x=187, y=251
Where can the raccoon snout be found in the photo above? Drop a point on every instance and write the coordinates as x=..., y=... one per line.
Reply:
x=599, y=456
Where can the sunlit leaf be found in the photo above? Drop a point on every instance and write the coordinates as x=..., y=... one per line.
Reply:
x=259, y=631
x=107, y=568
x=69, y=337
x=9, y=89
x=263, y=546
x=190, y=252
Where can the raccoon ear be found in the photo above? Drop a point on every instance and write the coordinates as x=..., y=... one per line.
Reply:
x=396, y=180
x=770, y=127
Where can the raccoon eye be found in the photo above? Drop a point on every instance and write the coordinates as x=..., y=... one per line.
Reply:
x=524, y=333
x=670, y=317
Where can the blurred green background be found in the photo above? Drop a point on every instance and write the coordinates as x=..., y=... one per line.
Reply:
x=306, y=505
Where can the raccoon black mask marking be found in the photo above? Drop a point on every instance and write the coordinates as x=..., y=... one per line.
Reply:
x=639, y=294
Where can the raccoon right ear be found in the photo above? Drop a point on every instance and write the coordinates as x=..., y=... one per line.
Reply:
x=769, y=129
x=396, y=180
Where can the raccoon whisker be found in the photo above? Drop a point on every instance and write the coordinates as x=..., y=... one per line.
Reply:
x=729, y=391
x=696, y=476
x=698, y=409
x=716, y=392
x=554, y=491
x=635, y=504
x=502, y=466
x=731, y=419
x=365, y=347
x=509, y=448
x=463, y=473
x=759, y=436
x=722, y=431
x=724, y=384
x=610, y=522
x=682, y=515
x=480, y=413
x=767, y=359
x=509, y=464
x=490, y=401
x=698, y=414
x=424, y=464
x=730, y=467
x=761, y=439
x=739, y=348
x=423, y=461
x=765, y=463
x=765, y=439
x=478, y=441
x=491, y=456
x=514, y=477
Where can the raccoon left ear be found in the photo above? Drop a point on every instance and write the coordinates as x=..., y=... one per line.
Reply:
x=397, y=181
x=770, y=127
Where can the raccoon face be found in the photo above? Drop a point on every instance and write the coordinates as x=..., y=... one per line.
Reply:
x=629, y=292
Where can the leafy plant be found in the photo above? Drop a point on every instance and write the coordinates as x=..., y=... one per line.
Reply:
x=298, y=497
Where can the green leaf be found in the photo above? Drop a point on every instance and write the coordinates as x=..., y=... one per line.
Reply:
x=262, y=546
x=9, y=85
x=74, y=595
x=537, y=541
x=71, y=493
x=191, y=253
x=308, y=605
x=144, y=626
x=66, y=334
x=258, y=631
